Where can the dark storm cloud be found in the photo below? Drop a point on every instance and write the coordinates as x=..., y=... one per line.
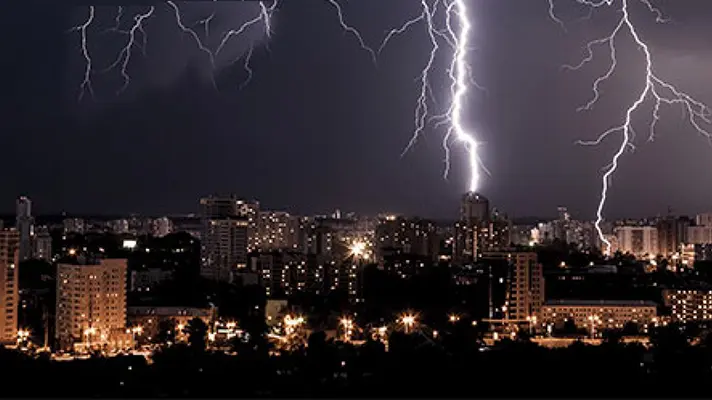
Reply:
x=320, y=127
x=169, y=51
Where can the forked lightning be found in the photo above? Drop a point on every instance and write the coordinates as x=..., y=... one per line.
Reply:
x=454, y=34
x=655, y=89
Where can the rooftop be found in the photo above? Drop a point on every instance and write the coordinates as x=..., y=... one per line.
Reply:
x=594, y=303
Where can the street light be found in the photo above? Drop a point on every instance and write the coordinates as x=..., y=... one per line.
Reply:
x=136, y=331
x=88, y=333
x=22, y=336
x=348, y=325
x=408, y=321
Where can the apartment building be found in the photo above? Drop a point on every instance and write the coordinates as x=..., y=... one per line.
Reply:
x=9, y=288
x=91, y=304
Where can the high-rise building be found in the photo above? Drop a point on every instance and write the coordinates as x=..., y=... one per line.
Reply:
x=24, y=224
x=276, y=230
x=474, y=207
x=9, y=288
x=227, y=224
x=672, y=232
x=91, y=303
x=42, y=244
x=639, y=241
x=479, y=230
x=411, y=236
x=700, y=234
x=525, y=286
x=704, y=219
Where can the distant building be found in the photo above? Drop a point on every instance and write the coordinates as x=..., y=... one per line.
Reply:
x=283, y=273
x=597, y=315
x=227, y=225
x=9, y=286
x=119, y=226
x=640, y=241
x=701, y=234
x=91, y=304
x=704, y=219
x=689, y=305
x=42, y=244
x=703, y=252
x=25, y=227
x=472, y=230
x=162, y=227
x=145, y=280
x=149, y=318
x=474, y=207
x=276, y=230
x=74, y=225
x=672, y=232
x=406, y=236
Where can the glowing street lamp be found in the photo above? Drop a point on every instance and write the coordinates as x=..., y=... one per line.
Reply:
x=292, y=323
x=348, y=325
x=22, y=336
x=408, y=321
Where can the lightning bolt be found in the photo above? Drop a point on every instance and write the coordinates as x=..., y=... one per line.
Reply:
x=124, y=57
x=655, y=89
x=264, y=16
x=353, y=31
x=136, y=38
x=456, y=36
x=86, y=85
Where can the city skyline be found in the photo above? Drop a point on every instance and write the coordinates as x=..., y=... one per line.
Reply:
x=297, y=163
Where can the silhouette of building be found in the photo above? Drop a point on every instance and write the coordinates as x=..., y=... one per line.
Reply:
x=227, y=224
x=24, y=224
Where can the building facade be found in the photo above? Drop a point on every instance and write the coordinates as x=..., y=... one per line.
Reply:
x=9, y=286
x=689, y=305
x=525, y=284
x=597, y=315
x=24, y=224
x=91, y=303
x=639, y=241
x=228, y=223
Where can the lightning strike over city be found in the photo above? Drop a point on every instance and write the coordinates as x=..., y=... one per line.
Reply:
x=454, y=34
x=213, y=189
x=655, y=89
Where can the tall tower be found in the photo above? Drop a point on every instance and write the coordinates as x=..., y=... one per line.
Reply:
x=474, y=207
x=472, y=230
x=9, y=290
x=24, y=224
x=228, y=223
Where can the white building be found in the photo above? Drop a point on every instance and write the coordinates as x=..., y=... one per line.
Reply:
x=599, y=314
x=639, y=241
x=704, y=219
x=701, y=234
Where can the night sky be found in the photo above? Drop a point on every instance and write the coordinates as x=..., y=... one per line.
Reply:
x=319, y=127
